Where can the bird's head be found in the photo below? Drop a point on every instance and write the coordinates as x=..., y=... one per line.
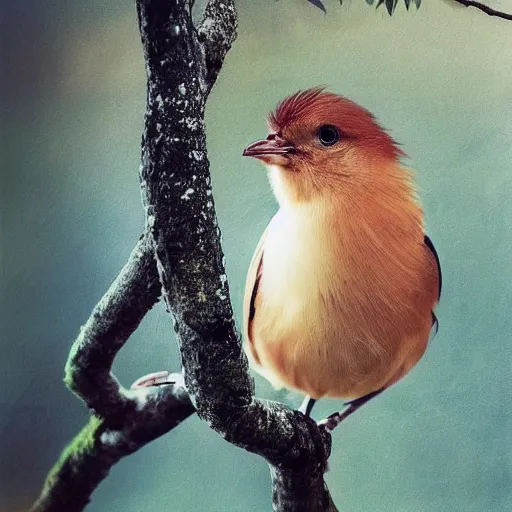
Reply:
x=321, y=144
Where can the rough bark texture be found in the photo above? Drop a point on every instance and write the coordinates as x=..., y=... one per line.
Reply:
x=183, y=239
x=294, y=491
x=178, y=198
x=87, y=461
x=124, y=420
x=133, y=293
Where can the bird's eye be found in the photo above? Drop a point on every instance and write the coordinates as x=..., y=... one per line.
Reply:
x=328, y=135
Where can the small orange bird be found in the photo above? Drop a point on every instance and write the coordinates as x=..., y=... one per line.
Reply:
x=341, y=289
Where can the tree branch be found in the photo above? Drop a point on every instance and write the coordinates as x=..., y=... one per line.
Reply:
x=124, y=420
x=177, y=195
x=87, y=460
x=485, y=8
x=116, y=316
x=182, y=64
x=216, y=34
x=292, y=487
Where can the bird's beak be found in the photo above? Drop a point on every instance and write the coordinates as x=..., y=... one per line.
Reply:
x=269, y=150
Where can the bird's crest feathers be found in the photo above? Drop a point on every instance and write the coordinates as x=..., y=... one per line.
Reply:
x=293, y=107
x=316, y=106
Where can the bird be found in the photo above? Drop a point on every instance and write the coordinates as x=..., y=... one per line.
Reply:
x=340, y=293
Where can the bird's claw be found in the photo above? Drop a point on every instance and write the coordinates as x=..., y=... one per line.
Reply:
x=331, y=422
x=152, y=379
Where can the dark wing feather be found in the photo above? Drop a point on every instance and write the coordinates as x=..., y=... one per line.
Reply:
x=252, y=309
x=432, y=249
x=251, y=293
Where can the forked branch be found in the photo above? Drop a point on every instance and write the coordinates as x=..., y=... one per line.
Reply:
x=183, y=239
x=124, y=420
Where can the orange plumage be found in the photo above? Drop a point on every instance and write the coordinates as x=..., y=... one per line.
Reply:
x=340, y=292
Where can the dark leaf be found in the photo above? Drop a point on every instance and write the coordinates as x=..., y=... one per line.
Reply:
x=319, y=4
x=391, y=6
x=370, y=2
x=418, y=3
x=407, y=3
x=379, y=3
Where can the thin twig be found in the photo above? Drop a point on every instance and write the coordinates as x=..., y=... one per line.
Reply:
x=485, y=8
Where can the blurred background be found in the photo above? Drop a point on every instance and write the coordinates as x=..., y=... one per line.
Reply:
x=73, y=89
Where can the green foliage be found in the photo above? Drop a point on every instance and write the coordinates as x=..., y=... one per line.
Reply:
x=319, y=4
x=390, y=4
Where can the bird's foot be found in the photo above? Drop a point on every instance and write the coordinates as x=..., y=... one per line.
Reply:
x=307, y=405
x=332, y=421
x=152, y=379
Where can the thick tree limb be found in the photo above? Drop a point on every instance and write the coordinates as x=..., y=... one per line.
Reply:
x=177, y=195
x=182, y=63
x=292, y=487
x=485, y=8
x=181, y=254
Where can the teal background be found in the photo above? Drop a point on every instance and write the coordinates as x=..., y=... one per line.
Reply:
x=73, y=100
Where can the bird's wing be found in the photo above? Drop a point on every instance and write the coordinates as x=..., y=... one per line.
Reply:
x=432, y=249
x=251, y=292
x=433, y=252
